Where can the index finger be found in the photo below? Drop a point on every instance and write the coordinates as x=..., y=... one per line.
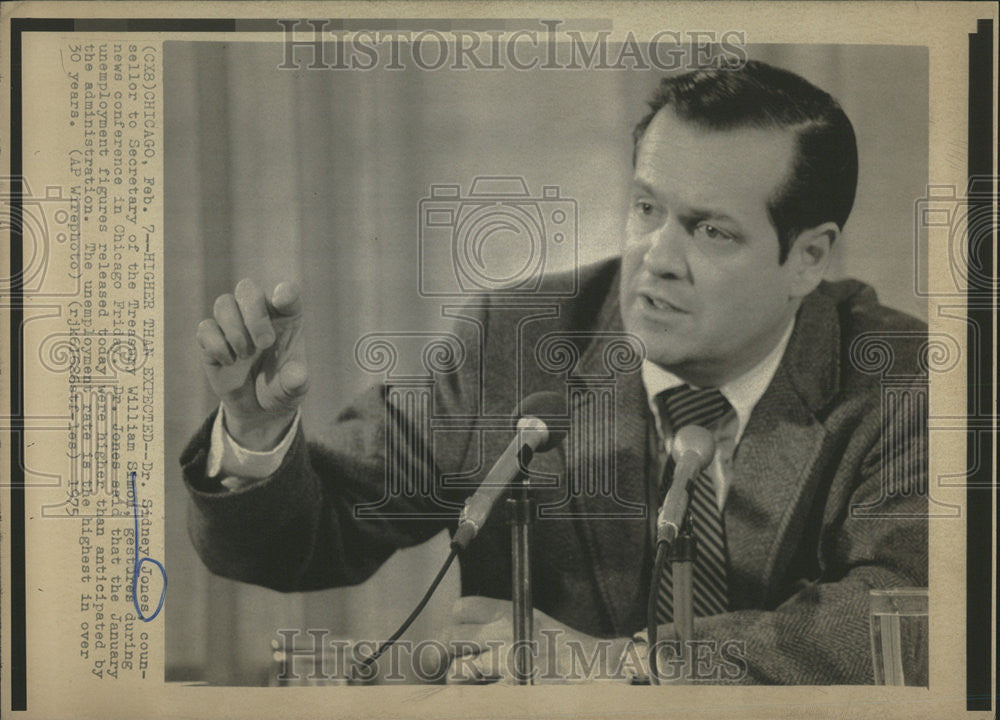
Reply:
x=285, y=300
x=254, y=310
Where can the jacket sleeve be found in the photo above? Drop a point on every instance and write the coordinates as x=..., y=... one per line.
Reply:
x=300, y=528
x=875, y=536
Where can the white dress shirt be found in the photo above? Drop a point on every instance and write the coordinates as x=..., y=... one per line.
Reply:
x=743, y=394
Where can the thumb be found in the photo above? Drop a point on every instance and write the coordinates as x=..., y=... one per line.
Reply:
x=292, y=383
x=293, y=379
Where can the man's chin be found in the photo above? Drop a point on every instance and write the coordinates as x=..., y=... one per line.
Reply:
x=668, y=363
x=667, y=347
x=667, y=358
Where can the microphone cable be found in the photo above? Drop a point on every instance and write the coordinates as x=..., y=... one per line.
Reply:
x=538, y=404
x=416, y=611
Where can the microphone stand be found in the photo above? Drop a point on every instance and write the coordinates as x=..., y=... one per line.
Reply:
x=520, y=512
x=692, y=451
x=682, y=555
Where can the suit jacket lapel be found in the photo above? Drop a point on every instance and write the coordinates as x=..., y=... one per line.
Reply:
x=773, y=484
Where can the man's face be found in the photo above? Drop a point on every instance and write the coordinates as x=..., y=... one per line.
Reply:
x=701, y=283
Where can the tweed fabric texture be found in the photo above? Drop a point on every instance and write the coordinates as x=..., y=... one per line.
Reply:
x=812, y=520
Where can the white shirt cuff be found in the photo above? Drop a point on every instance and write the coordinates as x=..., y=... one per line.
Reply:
x=239, y=466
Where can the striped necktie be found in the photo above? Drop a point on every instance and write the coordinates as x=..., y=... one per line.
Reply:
x=680, y=407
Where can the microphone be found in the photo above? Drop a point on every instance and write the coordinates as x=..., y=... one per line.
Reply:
x=693, y=450
x=535, y=431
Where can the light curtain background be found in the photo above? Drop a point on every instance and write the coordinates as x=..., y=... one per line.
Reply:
x=316, y=176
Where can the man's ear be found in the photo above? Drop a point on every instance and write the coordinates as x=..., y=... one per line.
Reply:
x=809, y=256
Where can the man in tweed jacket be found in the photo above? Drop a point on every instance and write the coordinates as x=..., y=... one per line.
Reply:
x=743, y=181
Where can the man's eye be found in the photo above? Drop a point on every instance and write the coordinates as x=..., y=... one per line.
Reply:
x=644, y=208
x=712, y=232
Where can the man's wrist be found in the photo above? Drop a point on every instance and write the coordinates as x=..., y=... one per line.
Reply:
x=262, y=434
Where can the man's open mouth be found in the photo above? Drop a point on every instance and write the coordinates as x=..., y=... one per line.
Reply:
x=659, y=304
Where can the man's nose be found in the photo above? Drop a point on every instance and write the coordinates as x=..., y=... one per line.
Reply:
x=667, y=252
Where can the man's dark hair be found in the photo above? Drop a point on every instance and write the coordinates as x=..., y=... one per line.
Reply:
x=824, y=175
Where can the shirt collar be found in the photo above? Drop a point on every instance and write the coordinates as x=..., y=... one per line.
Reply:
x=743, y=393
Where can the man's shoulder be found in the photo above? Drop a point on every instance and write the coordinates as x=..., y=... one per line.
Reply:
x=583, y=297
x=590, y=294
x=586, y=278
x=874, y=338
x=575, y=301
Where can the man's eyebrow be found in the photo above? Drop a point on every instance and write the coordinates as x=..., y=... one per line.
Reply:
x=710, y=214
x=642, y=187
x=688, y=212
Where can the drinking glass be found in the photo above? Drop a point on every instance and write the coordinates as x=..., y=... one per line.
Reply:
x=899, y=622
